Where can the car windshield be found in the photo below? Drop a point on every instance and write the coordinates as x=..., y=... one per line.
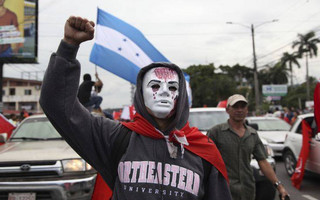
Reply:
x=206, y=120
x=271, y=124
x=36, y=129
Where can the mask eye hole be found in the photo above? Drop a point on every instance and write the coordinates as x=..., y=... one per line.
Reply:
x=172, y=88
x=155, y=87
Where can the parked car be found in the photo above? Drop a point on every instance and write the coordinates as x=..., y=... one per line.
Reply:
x=206, y=118
x=272, y=129
x=36, y=163
x=293, y=144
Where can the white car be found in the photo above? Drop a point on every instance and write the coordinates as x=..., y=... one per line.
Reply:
x=272, y=129
x=206, y=118
x=293, y=144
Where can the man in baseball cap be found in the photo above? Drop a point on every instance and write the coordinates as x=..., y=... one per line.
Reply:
x=236, y=98
x=236, y=142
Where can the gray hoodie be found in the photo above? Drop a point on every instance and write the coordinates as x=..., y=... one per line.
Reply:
x=145, y=170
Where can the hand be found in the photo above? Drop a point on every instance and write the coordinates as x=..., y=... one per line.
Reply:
x=283, y=192
x=78, y=30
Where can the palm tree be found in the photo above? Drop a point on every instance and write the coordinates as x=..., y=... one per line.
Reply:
x=307, y=45
x=291, y=59
x=277, y=74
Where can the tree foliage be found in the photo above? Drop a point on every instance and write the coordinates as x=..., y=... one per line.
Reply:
x=208, y=87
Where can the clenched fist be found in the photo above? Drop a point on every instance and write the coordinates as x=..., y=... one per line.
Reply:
x=78, y=30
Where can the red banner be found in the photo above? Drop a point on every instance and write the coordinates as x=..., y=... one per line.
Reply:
x=297, y=177
x=6, y=126
x=316, y=100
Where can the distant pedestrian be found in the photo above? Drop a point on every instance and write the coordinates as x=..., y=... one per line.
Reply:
x=13, y=119
x=277, y=112
x=85, y=93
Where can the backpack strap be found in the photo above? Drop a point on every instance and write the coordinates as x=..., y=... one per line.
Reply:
x=119, y=148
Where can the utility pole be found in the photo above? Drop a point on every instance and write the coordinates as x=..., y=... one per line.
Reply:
x=255, y=72
x=255, y=68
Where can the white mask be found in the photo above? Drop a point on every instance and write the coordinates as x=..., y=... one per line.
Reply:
x=160, y=88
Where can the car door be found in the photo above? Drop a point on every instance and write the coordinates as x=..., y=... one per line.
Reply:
x=295, y=138
x=313, y=162
x=314, y=156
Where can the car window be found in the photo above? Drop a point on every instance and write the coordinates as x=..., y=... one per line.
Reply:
x=39, y=128
x=309, y=120
x=206, y=120
x=271, y=124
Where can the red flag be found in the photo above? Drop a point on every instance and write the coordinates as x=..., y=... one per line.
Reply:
x=297, y=177
x=6, y=126
x=316, y=101
x=101, y=190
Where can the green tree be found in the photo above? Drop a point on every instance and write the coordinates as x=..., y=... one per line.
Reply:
x=290, y=59
x=208, y=88
x=238, y=72
x=277, y=74
x=307, y=45
x=296, y=97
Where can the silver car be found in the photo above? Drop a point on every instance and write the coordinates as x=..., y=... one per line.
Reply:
x=36, y=163
x=272, y=129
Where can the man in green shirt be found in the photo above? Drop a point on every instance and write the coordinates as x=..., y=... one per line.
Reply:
x=237, y=142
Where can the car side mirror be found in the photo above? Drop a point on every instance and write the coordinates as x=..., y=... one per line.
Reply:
x=3, y=137
x=255, y=126
x=317, y=137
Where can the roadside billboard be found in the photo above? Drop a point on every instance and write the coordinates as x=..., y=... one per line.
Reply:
x=274, y=90
x=19, y=31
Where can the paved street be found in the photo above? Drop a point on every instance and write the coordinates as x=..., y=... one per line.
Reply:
x=310, y=187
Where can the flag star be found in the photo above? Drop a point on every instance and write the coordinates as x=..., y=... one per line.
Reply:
x=137, y=54
x=124, y=39
x=119, y=48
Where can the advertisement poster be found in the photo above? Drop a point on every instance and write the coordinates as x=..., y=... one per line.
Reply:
x=18, y=31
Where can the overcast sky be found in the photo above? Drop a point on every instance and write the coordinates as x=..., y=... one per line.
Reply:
x=187, y=32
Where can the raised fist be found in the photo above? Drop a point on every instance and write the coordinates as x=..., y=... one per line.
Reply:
x=78, y=30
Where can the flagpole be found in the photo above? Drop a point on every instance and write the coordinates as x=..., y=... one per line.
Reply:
x=132, y=93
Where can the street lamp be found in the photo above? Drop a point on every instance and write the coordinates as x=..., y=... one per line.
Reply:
x=255, y=72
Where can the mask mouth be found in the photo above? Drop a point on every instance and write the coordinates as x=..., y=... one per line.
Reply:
x=163, y=102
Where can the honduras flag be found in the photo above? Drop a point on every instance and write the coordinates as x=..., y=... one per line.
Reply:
x=121, y=48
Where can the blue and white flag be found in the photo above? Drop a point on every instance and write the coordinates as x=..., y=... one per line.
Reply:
x=121, y=48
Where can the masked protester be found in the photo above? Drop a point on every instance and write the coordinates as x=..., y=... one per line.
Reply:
x=164, y=157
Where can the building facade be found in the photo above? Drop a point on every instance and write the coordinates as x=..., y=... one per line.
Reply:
x=19, y=94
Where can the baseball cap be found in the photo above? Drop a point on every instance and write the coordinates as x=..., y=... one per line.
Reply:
x=235, y=98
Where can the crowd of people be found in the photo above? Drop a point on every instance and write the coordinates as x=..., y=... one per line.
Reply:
x=16, y=119
x=287, y=114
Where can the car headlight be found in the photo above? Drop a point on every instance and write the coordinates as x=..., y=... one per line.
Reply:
x=75, y=165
